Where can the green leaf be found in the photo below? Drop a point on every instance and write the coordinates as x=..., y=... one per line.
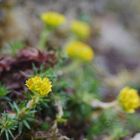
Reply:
x=15, y=46
x=26, y=124
x=7, y=135
x=16, y=107
x=3, y=90
x=10, y=133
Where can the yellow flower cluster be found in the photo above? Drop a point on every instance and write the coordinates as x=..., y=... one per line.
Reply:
x=129, y=99
x=79, y=50
x=80, y=29
x=53, y=19
x=38, y=85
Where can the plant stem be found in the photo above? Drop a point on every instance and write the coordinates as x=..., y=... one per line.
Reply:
x=72, y=67
x=43, y=39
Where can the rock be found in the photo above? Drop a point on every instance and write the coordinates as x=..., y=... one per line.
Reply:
x=136, y=137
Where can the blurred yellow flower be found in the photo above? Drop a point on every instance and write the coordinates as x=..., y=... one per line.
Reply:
x=79, y=50
x=41, y=86
x=80, y=29
x=129, y=99
x=53, y=19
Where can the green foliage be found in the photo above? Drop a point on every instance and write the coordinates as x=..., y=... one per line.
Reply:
x=50, y=73
x=15, y=47
x=3, y=90
x=23, y=116
x=101, y=124
x=118, y=131
x=44, y=126
x=8, y=124
x=107, y=123
x=134, y=123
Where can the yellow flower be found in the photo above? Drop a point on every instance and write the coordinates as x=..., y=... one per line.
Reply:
x=41, y=86
x=81, y=29
x=129, y=99
x=79, y=50
x=53, y=19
